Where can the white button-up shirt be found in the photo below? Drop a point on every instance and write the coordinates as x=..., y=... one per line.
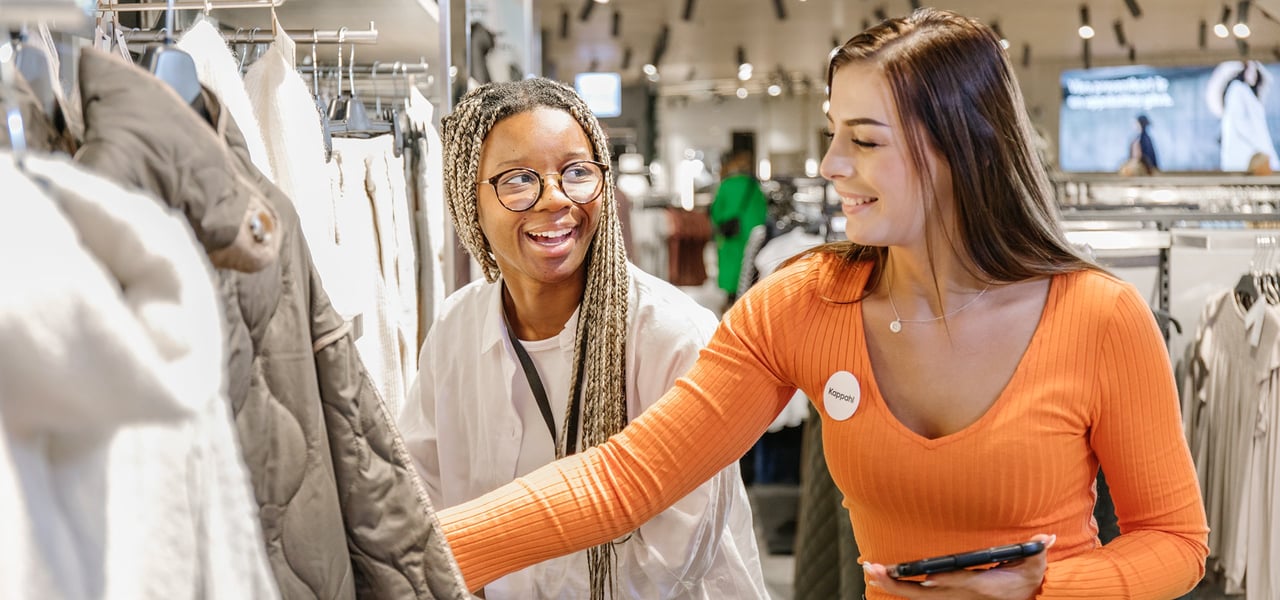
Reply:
x=462, y=424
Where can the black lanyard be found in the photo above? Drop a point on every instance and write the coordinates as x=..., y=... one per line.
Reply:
x=540, y=393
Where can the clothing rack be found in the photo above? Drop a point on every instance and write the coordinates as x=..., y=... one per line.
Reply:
x=264, y=36
x=205, y=5
x=1158, y=239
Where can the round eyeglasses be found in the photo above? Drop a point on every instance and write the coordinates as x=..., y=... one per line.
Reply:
x=520, y=188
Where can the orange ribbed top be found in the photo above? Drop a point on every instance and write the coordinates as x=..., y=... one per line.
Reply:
x=1093, y=388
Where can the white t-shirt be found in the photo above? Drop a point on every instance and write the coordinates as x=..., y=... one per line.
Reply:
x=468, y=416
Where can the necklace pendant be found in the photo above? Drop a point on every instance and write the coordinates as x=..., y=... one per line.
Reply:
x=895, y=326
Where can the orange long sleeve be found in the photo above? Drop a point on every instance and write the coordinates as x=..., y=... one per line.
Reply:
x=1093, y=388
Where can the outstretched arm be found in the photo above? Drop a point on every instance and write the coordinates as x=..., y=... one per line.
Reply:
x=707, y=421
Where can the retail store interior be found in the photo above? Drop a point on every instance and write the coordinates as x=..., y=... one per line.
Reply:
x=1126, y=97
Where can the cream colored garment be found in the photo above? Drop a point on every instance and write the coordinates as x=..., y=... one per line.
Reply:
x=112, y=400
x=375, y=302
x=294, y=142
x=219, y=70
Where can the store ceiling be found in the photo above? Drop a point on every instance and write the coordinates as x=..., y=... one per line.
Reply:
x=704, y=47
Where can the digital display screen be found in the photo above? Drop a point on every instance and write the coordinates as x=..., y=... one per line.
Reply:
x=1207, y=118
x=602, y=91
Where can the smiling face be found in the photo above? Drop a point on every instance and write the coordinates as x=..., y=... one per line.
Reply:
x=548, y=243
x=870, y=164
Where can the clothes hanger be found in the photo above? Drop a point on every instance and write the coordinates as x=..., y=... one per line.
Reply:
x=34, y=67
x=13, y=114
x=338, y=105
x=171, y=65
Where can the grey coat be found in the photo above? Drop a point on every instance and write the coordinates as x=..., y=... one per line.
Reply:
x=341, y=509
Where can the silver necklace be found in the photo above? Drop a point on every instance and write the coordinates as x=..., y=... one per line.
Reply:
x=896, y=324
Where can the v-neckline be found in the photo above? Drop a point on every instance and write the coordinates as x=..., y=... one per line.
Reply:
x=882, y=406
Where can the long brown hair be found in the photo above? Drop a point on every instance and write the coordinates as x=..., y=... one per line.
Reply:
x=602, y=371
x=957, y=94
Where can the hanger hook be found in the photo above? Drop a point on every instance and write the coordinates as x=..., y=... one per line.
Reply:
x=208, y=7
x=351, y=70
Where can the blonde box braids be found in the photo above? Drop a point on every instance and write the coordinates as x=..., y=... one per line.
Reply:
x=603, y=309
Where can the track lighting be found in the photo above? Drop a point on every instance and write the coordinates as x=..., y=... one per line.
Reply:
x=1241, y=28
x=1203, y=38
x=564, y=23
x=587, y=7
x=1086, y=30
x=660, y=46
x=626, y=58
x=780, y=10
x=1134, y=9
x=879, y=13
x=687, y=14
x=1118, y=27
x=616, y=27
x=1004, y=41
x=1026, y=55
x=1220, y=29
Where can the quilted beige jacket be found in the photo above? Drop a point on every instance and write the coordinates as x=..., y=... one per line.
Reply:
x=341, y=509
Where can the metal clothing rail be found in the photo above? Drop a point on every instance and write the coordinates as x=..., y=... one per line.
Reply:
x=382, y=68
x=205, y=5
x=264, y=36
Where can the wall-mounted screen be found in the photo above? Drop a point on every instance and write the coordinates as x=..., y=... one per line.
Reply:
x=602, y=91
x=1211, y=118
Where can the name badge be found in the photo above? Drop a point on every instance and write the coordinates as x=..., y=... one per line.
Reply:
x=842, y=395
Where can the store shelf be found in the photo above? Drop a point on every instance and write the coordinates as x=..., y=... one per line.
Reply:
x=408, y=30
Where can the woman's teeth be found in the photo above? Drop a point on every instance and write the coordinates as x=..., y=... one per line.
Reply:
x=859, y=201
x=550, y=235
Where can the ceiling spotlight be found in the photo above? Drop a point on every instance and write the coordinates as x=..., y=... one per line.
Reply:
x=649, y=69
x=775, y=90
x=587, y=7
x=687, y=15
x=742, y=93
x=1241, y=30
x=1220, y=29
x=602, y=1
x=1004, y=42
x=1085, y=31
x=1134, y=9
x=744, y=72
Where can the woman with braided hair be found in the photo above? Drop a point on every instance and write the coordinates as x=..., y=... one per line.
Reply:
x=561, y=344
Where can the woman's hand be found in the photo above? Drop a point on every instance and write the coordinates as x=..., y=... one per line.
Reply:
x=1016, y=580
